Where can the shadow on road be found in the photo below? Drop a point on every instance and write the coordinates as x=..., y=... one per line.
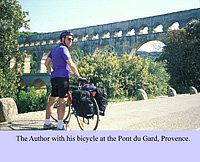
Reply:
x=23, y=125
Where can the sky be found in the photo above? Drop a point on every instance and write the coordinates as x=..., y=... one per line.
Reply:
x=57, y=15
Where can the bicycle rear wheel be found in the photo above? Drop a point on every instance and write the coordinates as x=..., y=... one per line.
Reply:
x=54, y=115
x=89, y=123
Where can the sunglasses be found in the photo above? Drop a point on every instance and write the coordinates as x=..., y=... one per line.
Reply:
x=70, y=39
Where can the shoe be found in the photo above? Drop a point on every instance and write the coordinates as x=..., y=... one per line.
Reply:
x=63, y=128
x=50, y=126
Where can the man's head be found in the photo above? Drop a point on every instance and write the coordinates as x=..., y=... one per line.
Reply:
x=66, y=37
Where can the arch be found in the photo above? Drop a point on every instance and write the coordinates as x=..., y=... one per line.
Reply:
x=76, y=38
x=85, y=37
x=106, y=34
x=27, y=64
x=118, y=33
x=44, y=42
x=151, y=49
x=42, y=66
x=131, y=32
x=151, y=46
x=51, y=41
x=143, y=30
x=95, y=36
x=37, y=43
x=158, y=28
x=32, y=44
x=39, y=85
x=173, y=26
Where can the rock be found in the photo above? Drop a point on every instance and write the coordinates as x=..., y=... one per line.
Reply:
x=171, y=92
x=142, y=95
x=193, y=90
x=8, y=110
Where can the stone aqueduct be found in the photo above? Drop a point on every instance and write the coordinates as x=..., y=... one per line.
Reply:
x=125, y=36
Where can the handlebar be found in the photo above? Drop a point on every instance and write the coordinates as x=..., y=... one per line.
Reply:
x=81, y=85
x=81, y=80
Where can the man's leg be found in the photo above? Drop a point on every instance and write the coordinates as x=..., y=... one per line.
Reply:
x=49, y=109
x=61, y=112
x=62, y=91
x=50, y=106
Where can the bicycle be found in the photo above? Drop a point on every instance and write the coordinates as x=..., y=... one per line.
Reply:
x=84, y=123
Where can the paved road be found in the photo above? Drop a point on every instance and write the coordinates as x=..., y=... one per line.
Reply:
x=167, y=113
x=164, y=113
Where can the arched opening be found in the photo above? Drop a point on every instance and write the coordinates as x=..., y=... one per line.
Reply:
x=85, y=37
x=32, y=44
x=39, y=86
x=76, y=38
x=144, y=30
x=106, y=35
x=158, y=29
x=42, y=66
x=44, y=42
x=118, y=33
x=174, y=26
x=95, y=36
x=27, y=64
x=131, y=32
x=37, y=43
x=51, y=41
x=151, y=49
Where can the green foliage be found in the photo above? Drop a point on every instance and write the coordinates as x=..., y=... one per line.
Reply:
x=159, y=78
x=182, y=55
x=30, y=100
x=12, y=18
x=103, y=69
x=138, y=73
x=77, y=54
x=122, y=76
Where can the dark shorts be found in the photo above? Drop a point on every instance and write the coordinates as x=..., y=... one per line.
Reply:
x=60, y=87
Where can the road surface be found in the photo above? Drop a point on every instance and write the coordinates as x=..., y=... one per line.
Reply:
x=181, y=112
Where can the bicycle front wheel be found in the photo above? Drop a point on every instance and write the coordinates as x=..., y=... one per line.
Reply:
x=89, y=123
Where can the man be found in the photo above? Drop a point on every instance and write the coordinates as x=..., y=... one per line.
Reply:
x=61, y=61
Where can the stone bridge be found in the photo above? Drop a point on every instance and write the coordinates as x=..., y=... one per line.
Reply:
x=125, y=36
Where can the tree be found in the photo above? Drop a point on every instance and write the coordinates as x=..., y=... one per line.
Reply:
x=182, y=55
x=12, y=18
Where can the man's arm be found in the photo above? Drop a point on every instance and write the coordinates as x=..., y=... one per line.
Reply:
x=48, y=64
x=73, y=67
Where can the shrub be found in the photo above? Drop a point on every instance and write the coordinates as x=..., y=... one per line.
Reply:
x=103, y=70
x=30, y=100
x=123, y=76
